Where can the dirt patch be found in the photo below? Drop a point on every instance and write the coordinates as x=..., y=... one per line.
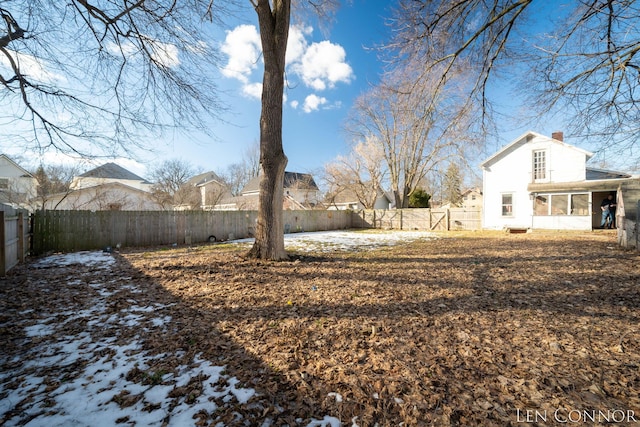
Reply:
x=467, y=330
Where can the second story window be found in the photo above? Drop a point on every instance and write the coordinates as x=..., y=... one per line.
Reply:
x=539, y=165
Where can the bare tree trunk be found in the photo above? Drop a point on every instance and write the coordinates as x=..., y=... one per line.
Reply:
x=274, y=31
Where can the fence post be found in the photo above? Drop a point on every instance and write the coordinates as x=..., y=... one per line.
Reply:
x=20, y=237
x=447, y=219
x=401, y=225
x=637, y=226
x=3, y=246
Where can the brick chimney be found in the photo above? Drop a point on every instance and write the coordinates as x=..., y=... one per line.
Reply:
x=558, y=136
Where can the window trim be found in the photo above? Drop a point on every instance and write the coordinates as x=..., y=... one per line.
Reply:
x=539, y=165
x=506, y=213
x=570, y=204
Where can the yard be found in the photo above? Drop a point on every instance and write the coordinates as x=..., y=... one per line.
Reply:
x=357, y=329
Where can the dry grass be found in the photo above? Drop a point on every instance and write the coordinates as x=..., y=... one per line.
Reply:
x=467, y=329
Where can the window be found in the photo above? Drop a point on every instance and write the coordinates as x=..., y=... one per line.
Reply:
x=579, y=204
x=4, y=183
x=559, y=203
x=541, y=206
x=539, y=164
x=507, y=205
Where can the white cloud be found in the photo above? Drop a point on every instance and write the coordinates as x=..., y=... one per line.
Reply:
x=164, y=53
x=252, y=90
x=319, y=66
x=297, y=43
x=294, y=104
x=242, y=46
x=31, y=66
x=323, y=65
x=313, y=103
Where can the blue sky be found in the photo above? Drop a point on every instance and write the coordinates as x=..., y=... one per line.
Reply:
x=326, y=71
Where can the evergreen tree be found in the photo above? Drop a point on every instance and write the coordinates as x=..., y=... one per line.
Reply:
x=419, y=199
x=451, y=185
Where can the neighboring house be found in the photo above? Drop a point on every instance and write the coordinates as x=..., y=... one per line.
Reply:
x=107, y=173
x=17, y=185
x=537, y=182
x=208, y=190
x=472, y=199
x=107, y=187
x=347, y=199
x=104, y=197
x=300, y=192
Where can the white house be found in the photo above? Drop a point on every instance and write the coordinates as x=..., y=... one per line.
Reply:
x=348, y=199
x=472, y=198
x=300, y=192
x=540, y=182
x=17, y=185
x=109, y=196
x=108, y=173
x=107, y=187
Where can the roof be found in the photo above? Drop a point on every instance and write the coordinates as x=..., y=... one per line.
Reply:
x=594, y=174
x=347, y=195
x=204, y=178
x=471, y=190
x=524, y=139
x=589, y=185
x=25, y=173
x=99, y=187
x=113, y=171
x=292, y=180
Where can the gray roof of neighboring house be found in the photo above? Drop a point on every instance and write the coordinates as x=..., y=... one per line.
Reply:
x=113, y=171
x=203, y=178
x=291, y=180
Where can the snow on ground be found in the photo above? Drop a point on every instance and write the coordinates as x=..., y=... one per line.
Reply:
x=347, y=241
x=38, y=384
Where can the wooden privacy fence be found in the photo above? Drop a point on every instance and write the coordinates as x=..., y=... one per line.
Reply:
x=420, y=219
x=68, y=231
x=14, y=237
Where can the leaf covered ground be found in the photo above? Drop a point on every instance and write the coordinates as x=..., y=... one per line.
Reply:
x=459, y=329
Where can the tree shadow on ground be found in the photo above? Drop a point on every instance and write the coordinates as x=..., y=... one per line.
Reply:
x=455, y=332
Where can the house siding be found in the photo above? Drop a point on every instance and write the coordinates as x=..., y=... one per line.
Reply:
x=511, y=172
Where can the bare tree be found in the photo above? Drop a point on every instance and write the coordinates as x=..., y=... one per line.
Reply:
x=237, y=175
x=136, y=66
x=586, y=66
x=361, y=173
x=273, y=19
x=92, y=77
x=416, y=125
x=53, y=180
x=169, y=189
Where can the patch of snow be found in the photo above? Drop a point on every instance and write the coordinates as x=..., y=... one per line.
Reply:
x=45, y=384
x=347, y=241
x=337, y=396
x=327, y=421
x=94, y=259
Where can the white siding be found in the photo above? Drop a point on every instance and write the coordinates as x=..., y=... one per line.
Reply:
x=512, y=171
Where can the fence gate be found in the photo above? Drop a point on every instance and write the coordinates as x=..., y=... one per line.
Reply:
x=439, y=219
